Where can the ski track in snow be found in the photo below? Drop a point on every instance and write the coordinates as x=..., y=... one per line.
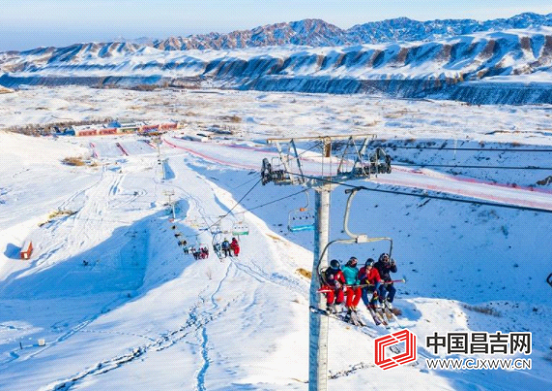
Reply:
x=199, y=320
x=163, y=342
x=109, y=193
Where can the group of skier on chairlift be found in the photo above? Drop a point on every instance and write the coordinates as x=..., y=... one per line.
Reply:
x=228, y=249
x=231, y=248
x=372, y=283
x=200, y=252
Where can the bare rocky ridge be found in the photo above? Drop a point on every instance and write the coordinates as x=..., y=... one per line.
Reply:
x=307, y=32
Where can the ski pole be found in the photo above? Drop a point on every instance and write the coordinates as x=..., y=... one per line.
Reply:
x=383, y=283
x=403, y=280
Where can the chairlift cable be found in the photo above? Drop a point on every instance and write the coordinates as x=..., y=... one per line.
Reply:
x=464, y=201
x=258, y=207
x=471, y=149
x=468, y=166
x=224, y=216
x=427, y=196
x=237, y=203
x=278, y=200
x=246, y=182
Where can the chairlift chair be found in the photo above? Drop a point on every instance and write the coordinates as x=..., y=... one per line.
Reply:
x=216, y=229
x=301, y=219
x=268, y=174
x=217, y=240
x=240, y=229
x=192, y=223
x=353, y=238
x=203, y=226
x=549, y=279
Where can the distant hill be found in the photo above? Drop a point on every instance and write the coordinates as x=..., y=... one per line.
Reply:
x=308, y=32
x=498, y=61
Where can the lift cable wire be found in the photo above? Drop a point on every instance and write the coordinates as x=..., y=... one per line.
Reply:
x=467, y=166
x=317, y=144
x=255, y=207
x=227, y=213
x=234, y=207
x=472, y=149
x=279, y=199
x=427, y=196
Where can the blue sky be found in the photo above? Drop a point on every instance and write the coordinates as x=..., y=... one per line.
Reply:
x=27, y=24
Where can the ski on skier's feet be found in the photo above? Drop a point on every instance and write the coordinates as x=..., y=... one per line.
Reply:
x=379, y=320
x=351, y=319
x=351, y=316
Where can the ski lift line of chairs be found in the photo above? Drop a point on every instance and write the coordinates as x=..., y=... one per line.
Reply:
x=302, y=219
x=239, y=228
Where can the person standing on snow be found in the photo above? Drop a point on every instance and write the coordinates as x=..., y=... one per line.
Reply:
x=350, y=272
x=226, y=247
x=235, y=246
x=370, y=276
x=334, y=283
x=387, y=291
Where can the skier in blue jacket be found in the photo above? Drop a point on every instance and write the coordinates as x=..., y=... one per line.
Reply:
x=350, y=271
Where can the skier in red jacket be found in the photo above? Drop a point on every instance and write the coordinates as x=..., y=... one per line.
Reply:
x=235, y=246
x=370, y=275
x=334, y=286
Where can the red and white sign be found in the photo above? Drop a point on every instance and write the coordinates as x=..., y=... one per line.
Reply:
x=404, y=336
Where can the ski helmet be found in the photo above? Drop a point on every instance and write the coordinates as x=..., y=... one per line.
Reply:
x=383, y=257
x=369, y=262
x=352, y=261
x=334, y=264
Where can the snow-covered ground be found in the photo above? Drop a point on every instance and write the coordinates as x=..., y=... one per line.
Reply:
x=253, y=114
x=141, y=314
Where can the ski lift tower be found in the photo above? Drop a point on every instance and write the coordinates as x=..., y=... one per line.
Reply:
x=171, y=203
x=321, y=171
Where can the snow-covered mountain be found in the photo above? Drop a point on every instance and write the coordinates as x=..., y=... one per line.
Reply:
x=316, y=32
x=486, y=64
x=459, y=68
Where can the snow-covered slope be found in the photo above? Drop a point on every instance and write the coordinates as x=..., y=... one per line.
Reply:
x=141, y=314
